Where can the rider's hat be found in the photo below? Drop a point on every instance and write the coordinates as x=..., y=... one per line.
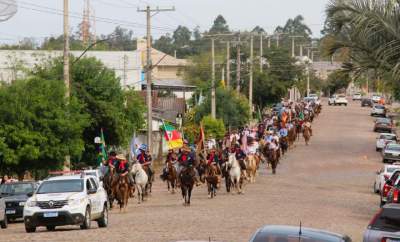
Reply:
x=121, y=157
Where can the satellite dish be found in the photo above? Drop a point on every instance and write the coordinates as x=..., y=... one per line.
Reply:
x=8, y=8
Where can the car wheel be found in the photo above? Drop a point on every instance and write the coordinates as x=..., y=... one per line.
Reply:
x=87, y=220
x=30, y=229
x=51, y=228
x=103, y=221
x=4, y=223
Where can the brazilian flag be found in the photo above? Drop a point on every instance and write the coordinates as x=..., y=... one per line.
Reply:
x=102, y=156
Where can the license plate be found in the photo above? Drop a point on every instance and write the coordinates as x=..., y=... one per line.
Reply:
x=10, y=211
x=50, y=215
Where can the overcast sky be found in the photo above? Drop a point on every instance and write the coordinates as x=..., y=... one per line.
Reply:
x=40, y=18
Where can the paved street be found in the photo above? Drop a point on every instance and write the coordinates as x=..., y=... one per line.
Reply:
x=326, y=185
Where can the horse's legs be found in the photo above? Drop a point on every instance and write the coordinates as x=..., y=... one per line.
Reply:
x=189, y=194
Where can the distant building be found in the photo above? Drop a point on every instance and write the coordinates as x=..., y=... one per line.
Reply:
x=324, y=68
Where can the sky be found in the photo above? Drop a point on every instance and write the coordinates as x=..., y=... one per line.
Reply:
x=42, y=18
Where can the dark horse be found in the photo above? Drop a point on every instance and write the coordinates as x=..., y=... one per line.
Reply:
x=225, y=174
x=107, y=184
x=284, y=143
x=171, y=177
x=187, y=179
x=122, y=190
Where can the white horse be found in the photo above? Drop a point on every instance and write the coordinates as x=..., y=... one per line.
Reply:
x=140, y=180
x=235, y=172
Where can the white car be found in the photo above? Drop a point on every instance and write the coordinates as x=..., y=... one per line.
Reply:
x=331, y=100
x=383, y=139
x=378, y=110
x=66, y=200
x=314, y=96
x=376, y=98
x=3, y=216
x=341, y=100
x=383, y=175
x=357, y=97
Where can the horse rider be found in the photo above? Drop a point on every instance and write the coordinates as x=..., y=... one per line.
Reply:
x=185, y=161
x=283, y=132
x=145, y=159
x=241, y=156
x=213, y=160
x=122, y=169
x=307, y=124
x=171, y=157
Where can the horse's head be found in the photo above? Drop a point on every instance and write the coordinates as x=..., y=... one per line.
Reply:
x=136, y=167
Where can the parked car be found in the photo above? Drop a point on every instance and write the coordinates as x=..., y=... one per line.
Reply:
x=15, y=195
x=292, y=233
x=314, y=96
x=383, y=125
x=378, y=110
x=341, y=100
x=383, y=139
x=67, y=200
x=385, y=225
x=391, y=153
x=366, y=102
x=393, y=179
x=376, y=98
x=3, y=216
x=383, y=175
x=331, y=100
x=357, y=97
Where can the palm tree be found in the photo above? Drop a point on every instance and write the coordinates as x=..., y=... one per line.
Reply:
x=370, y=30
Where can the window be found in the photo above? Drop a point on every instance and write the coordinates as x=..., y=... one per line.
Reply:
x=16, y=188
x=61, y=186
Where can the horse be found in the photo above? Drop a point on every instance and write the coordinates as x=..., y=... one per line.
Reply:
x=122, y=190
x=141, y=180
x=298, y=129
x=212, y=179
x=225, y=168
x=149, y=185
x=274, y=159
x=251, y=168
x=187, y=180
x=307, y=134
x=107, y=184
x=234, y=173
x=291, y=136
x=284, y=144
x=171, y=177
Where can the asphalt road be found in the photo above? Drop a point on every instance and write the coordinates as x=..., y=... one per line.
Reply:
x=326, y=185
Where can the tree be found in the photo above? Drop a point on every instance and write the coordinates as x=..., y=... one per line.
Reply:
x=121, y=39
x=165, y=44
x=232, y=108
x=182, y=36
x=258, y=29
x=38, y=127
x=108, y=106
x=213, y=127
x=219, y=26
x=337, y=80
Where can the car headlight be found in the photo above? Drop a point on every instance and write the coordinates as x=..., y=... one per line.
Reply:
x=75, y=202
x=21, y=204
x=31, y=204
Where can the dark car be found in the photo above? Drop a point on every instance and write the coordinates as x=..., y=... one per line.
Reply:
x=15, y=195
x=383, y=125
x=385, y=225
x=366, y=102
x=272, y=233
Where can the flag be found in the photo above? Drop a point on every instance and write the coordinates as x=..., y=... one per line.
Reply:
x=102, y=153
x=133, y=147
x=200, y=141
x=172, y=136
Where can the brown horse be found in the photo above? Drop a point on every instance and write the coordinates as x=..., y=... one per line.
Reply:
x=291, y=137
x=171, y=177
x=187, y=180
x=251, y=168
x=274, y=159
x=107, y=184
x=284, y=143
x=307, y=134
x=213, y=180
x=122, y=191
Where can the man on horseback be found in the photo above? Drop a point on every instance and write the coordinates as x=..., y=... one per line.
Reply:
x=213, y=160
x=186, y=160
x=145, y=159
x=307, y=124
x=241, y=156
x=121, y=166
x=171, y=157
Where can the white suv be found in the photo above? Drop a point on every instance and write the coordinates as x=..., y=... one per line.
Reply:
x=66, y=200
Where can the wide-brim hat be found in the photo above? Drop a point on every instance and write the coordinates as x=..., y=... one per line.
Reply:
x=186, y=149
x=121, y=157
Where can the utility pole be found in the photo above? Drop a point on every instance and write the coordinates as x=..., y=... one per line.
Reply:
x=148, y=70
x=238, y=66
x=308, y=80
x=269, y=42
x=213, y=101
x=251, y=74
x=301, y=50
x=261, y=52
x=293, y=45
x=67, y=162
x=228, y=65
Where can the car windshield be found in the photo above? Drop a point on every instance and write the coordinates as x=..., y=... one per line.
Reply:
x=16, y=188
x=391, y=169
x=61, y=186
x=383, y=120
x=342, y=96
x=388, y=220
x=393, y=147
x=387, y=137
x=379, y=107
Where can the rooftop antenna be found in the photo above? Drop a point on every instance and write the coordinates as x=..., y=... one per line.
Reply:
x=8, y=8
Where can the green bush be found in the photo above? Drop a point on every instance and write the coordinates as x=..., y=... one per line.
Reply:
x=213, y=127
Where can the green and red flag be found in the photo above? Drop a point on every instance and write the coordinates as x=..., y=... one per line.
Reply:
x=102, y=152
x=172, y=136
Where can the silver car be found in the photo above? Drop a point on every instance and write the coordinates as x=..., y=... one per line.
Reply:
x=3, y=217
x=378, y=110
x=385, y=226
x=391, y=153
